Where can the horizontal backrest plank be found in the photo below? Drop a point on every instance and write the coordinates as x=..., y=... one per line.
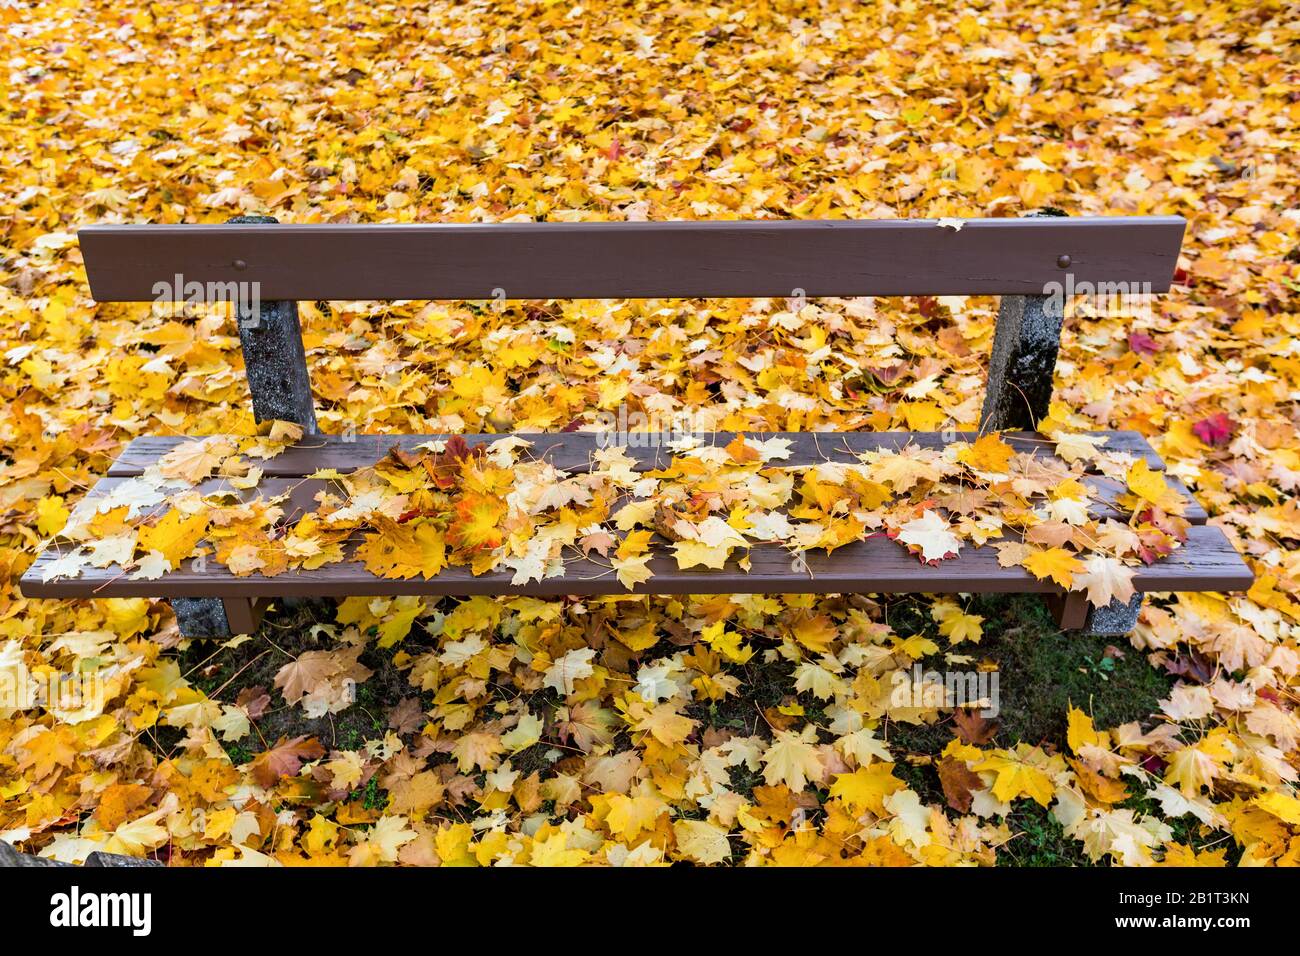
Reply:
x=632, y=259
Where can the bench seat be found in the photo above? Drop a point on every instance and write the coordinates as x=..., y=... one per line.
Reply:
x=1205, y=562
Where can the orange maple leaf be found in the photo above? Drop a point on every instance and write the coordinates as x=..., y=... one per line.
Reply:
x=477, y=525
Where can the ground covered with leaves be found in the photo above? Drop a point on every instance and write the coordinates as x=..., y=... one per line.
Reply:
x=720, y=729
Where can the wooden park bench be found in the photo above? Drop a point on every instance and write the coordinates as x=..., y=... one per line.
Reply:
x=1017, y=259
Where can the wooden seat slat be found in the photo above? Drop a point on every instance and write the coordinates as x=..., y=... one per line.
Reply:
x=572, y=451
x=1206, y=562
x=302, y=494
x=301, y=498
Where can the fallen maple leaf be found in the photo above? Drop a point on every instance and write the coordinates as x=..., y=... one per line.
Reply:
x=1142, y=343
x=194, y=461
x=792, y=760
x=958, y=781
x=285, y=759
x=1106, y=579
x=701, y=841
x=973, y=727
x=1056, y=564
x=930, y=534
x=1217, y=430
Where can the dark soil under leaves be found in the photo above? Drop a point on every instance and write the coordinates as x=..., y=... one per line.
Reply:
x=285, y=633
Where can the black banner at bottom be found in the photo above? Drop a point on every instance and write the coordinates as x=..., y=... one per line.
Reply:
x=236, y=905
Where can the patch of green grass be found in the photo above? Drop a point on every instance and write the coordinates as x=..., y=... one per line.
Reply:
x=532, y=759
x=744, y=780
x=1039, y=840
x=238, y=753
x=762, y=686
x=1043, y=670
x=923, y=778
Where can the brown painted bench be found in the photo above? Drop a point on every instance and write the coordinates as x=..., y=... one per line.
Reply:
x=1018, y=259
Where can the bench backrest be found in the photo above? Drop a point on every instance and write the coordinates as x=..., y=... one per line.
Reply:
x=266, y=268
x=636, y=259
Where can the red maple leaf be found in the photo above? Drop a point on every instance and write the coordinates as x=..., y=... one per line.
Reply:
x=1142, y=343
x=1217, y=430
x=458, y=449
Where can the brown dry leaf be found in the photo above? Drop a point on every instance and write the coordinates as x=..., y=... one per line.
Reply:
x=972, y=727
x=958, y=781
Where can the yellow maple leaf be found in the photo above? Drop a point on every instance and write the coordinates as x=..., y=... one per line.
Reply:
x=403, y=550
x=46, y=751
x=815, y=632
x=1192, y=769
x=962, y=627
x=144, y=833
x=1056, y=564
x=194, y=461
x=1016, y=776
x=702, y=841
x=793, y=759
x=1151, y=487
x=321, y=836
x=921, y=416
x=51, y=516
x=554, y=850
x=452, y=844
x=1073, y=446
x=477, y=750
x=691, y=554
x=384, y=839
x=988, y=453
x=634, y=544
x=629, y=815
x=1179, y=854
x=477, y=522
x=663, y=723
x=727, y=643
x=867, y=787
x=1080, y=732
x=632, y=571
x=1284, y=806
x=174, y=537
x=397, y=624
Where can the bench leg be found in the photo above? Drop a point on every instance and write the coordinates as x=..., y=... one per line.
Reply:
x=1073, y=613
x=1024, y=358
x=1115, y=619
x=1025, y=343
x=1069, y=610
x=217, y=617
x=270, y=335
x=274, y=361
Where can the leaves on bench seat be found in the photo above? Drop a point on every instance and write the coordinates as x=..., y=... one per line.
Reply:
x=499, y=505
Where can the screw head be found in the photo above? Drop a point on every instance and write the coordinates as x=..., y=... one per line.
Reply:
x=240, y=265
x=1063, y=262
